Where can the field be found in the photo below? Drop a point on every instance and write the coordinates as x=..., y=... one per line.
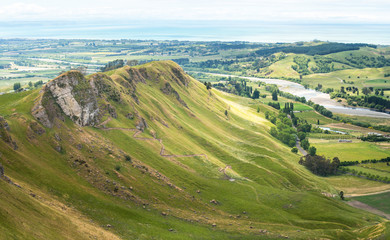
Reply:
x=378, y=166
x=312, y=117
x=355, y=151
x=374, y=121
x=330, y=136
x=372, y=171
x=379, y=201
x=368, y=77
x=352, y=129
x=353, y=186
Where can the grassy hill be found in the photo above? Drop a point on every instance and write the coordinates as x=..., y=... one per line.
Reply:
x=204, y=167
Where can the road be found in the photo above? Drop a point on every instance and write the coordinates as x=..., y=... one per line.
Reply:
x=297, y=142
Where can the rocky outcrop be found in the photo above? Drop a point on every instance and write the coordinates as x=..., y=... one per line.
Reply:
x=179, y=76
x=141, y=124
x=169, y=90
x=36, y=128
x=70, y=94
x=86, y=100
x=1, y=171
x=4, y=133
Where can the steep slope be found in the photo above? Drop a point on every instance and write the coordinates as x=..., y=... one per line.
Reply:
x=147, y=152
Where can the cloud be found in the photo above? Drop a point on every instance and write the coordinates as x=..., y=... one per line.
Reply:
x=375, y=11
x=22, y=11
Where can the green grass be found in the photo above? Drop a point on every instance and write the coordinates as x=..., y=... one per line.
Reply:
x=379, y=201
x=372, y=171
x=352, y=185
x=274, y=191
x=330, y=136
x=302, y=107
x=381, y=166
x=367, y=77
x=312, y=117
x=355, y=151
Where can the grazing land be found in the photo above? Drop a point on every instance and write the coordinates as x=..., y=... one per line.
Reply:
x=176, y=156
x=380, y=201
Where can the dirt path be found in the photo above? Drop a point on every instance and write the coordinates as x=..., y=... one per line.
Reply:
x=105, y=122
x=368, y=208
x=135, y=136
x=367, y=194
x=224, y=170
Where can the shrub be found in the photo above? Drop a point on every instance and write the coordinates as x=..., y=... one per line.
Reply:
x=320, y=165
x=128, y=158
x=294, y=150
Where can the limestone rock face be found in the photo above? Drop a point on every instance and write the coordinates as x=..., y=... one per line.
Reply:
x=169, y=90
x=4, y=135
x=70, y=94
x=1, y=171
x=141, y=124
x=86, y=100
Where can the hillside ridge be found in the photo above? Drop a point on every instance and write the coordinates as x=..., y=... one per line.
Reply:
x=77, y=97
x=149, y=152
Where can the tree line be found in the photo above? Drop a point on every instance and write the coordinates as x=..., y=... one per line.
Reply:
x=322, y=49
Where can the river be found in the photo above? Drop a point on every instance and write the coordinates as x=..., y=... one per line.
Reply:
x=316, y=97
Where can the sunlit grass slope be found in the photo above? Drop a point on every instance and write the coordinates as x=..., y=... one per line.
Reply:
x=80, y=182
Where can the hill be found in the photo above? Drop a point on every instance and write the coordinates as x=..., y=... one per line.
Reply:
x=147, y=152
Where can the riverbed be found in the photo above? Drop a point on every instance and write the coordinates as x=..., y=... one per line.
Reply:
x=316, y=97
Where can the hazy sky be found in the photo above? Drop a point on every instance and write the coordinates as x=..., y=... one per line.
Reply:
x=329, y=11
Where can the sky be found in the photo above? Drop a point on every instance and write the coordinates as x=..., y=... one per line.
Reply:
x=302, y=11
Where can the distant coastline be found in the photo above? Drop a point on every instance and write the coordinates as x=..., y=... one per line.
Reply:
x=252, y=31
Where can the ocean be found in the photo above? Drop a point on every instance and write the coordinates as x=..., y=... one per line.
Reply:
x=252, y=31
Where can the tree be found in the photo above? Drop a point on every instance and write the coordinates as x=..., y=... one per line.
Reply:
x=256, y=94
x=30, y=84
x=301, y=135
x=312, y=150
x=366, y=91
x=294, y=150
x=319, y=165
x=37, y=84
x=258, y=109
x=342, y=90
x=17, y=86
x=305, y=144
x=226, y=113
x=274, y=132
x=113, y=65
x=318, y=122
x=341, y=194
x=208, y=86
x=274, y=96
x=335, y=163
